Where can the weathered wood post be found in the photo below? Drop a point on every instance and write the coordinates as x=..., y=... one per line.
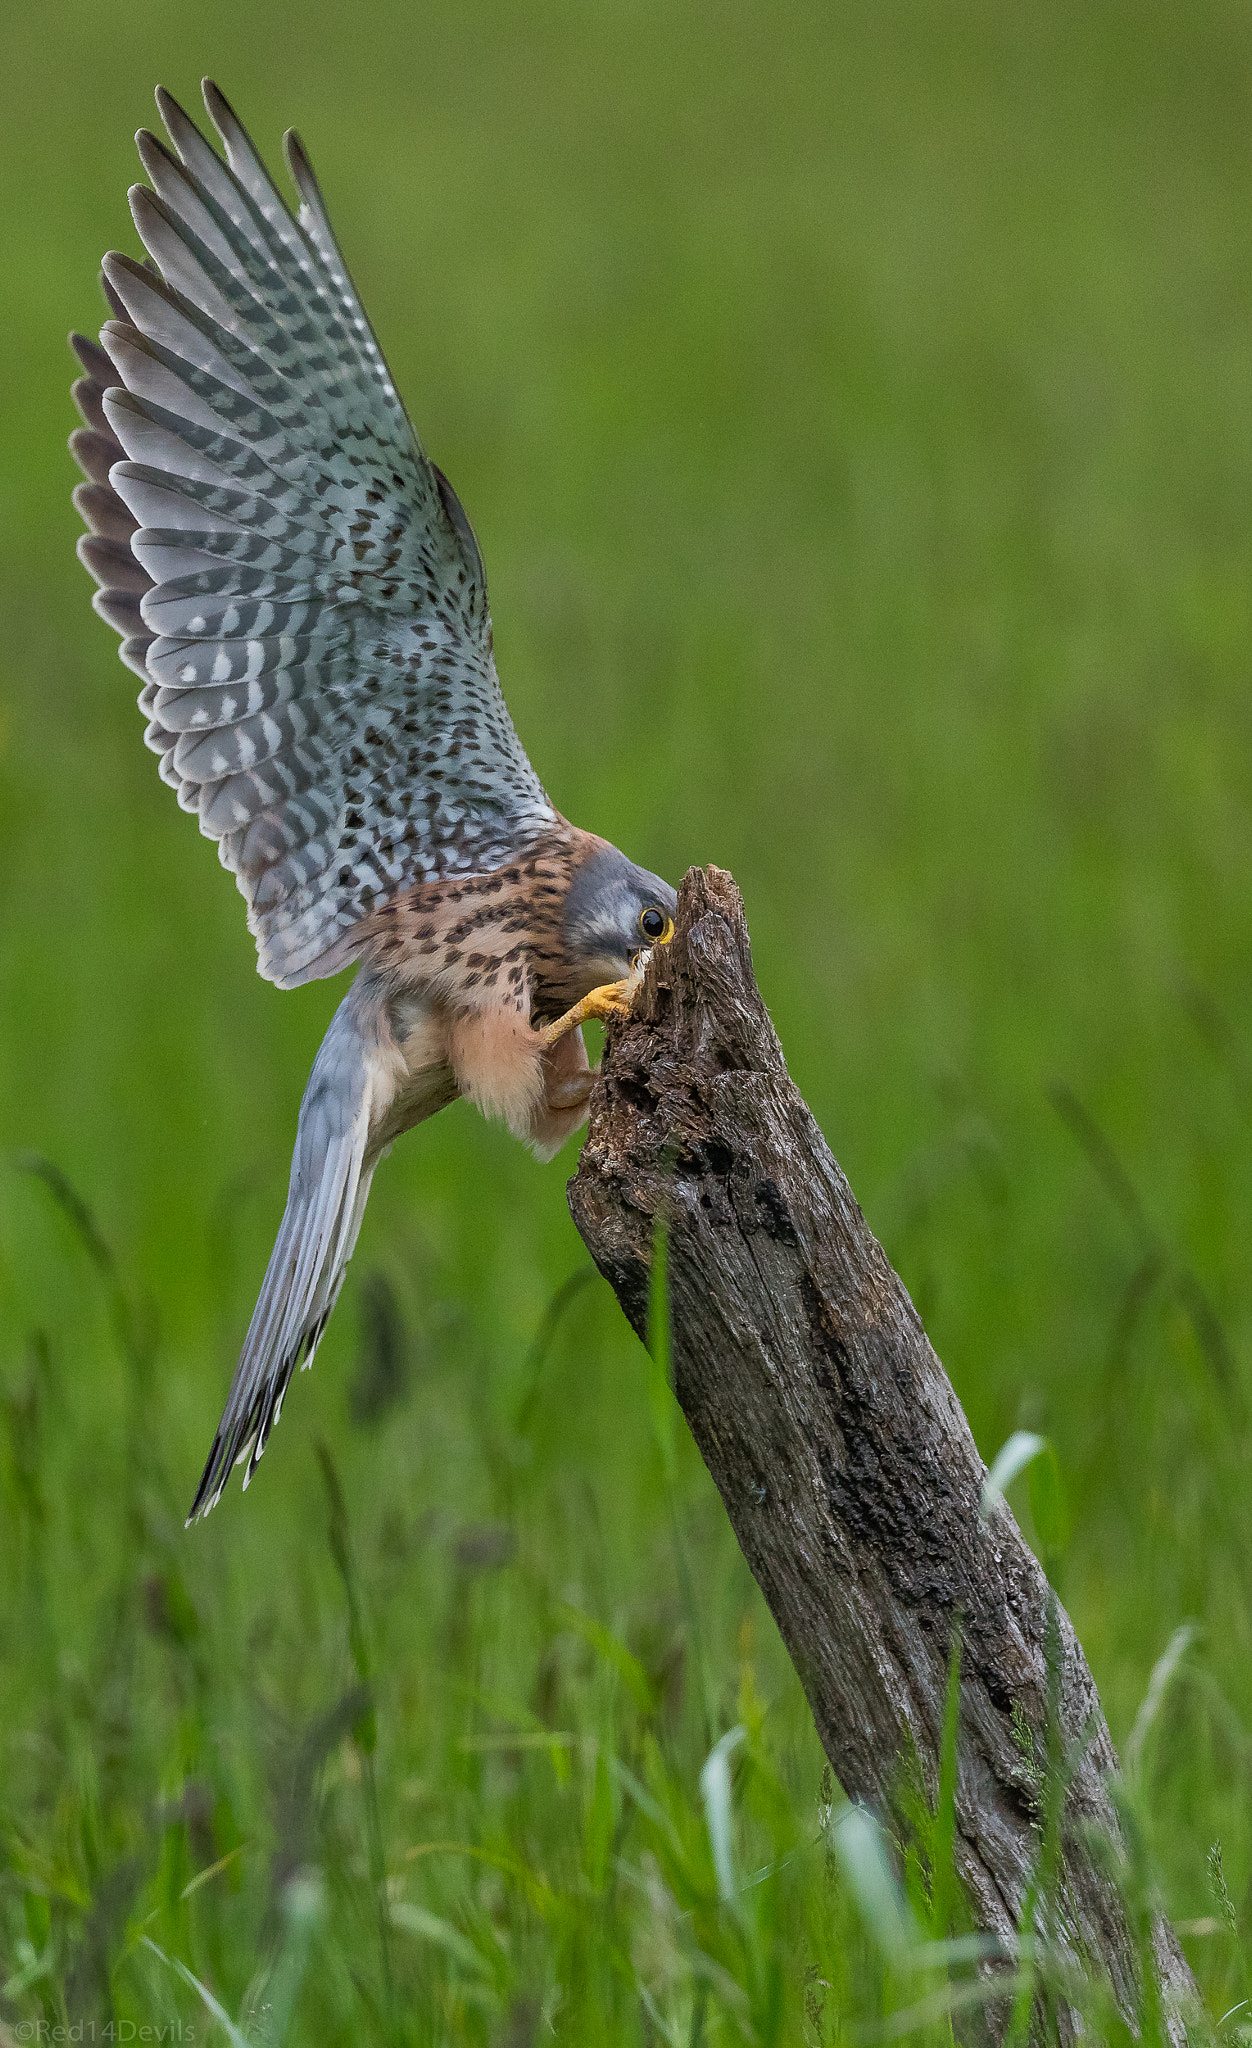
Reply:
x=847, y=1467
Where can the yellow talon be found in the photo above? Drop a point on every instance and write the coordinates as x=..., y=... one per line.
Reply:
x=609, y=1001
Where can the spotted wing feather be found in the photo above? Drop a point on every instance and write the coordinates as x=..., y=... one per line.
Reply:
x=295, y=582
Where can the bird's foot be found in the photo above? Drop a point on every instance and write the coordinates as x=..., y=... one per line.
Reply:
x=612, y=1000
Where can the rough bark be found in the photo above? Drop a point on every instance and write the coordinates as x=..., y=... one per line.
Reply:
x=846, y=1465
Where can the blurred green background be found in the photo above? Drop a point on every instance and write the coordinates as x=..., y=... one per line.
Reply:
x=854, y=405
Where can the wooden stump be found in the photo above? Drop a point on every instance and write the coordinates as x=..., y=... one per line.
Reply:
x=845, y=1462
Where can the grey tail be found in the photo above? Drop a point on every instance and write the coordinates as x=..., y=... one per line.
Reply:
x=331, y=1172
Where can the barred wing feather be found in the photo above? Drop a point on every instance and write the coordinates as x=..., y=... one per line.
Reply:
x=294, y=581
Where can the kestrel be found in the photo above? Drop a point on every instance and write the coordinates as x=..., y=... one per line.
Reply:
x=303, y=599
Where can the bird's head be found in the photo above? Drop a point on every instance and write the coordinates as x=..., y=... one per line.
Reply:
x=614, y=912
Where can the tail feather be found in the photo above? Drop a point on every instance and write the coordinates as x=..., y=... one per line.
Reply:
x=330, y=1177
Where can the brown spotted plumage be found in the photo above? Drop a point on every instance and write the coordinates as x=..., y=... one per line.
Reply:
x=302, y=597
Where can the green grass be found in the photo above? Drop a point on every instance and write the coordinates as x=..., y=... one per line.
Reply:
x=854, y=404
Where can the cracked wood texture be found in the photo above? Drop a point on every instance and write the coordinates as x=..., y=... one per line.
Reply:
x=847, y=1467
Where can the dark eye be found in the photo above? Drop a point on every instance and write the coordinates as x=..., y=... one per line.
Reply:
x=654, y=925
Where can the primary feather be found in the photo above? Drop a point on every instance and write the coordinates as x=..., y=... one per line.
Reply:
x=295, y=582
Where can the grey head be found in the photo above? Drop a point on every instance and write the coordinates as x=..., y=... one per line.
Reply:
x=614, y=911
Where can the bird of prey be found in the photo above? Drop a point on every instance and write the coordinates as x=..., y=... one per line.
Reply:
x=302, y=597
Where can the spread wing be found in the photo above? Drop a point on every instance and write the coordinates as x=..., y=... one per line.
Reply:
x=295, y=583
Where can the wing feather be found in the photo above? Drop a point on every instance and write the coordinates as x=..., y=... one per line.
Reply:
x=295, y=583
